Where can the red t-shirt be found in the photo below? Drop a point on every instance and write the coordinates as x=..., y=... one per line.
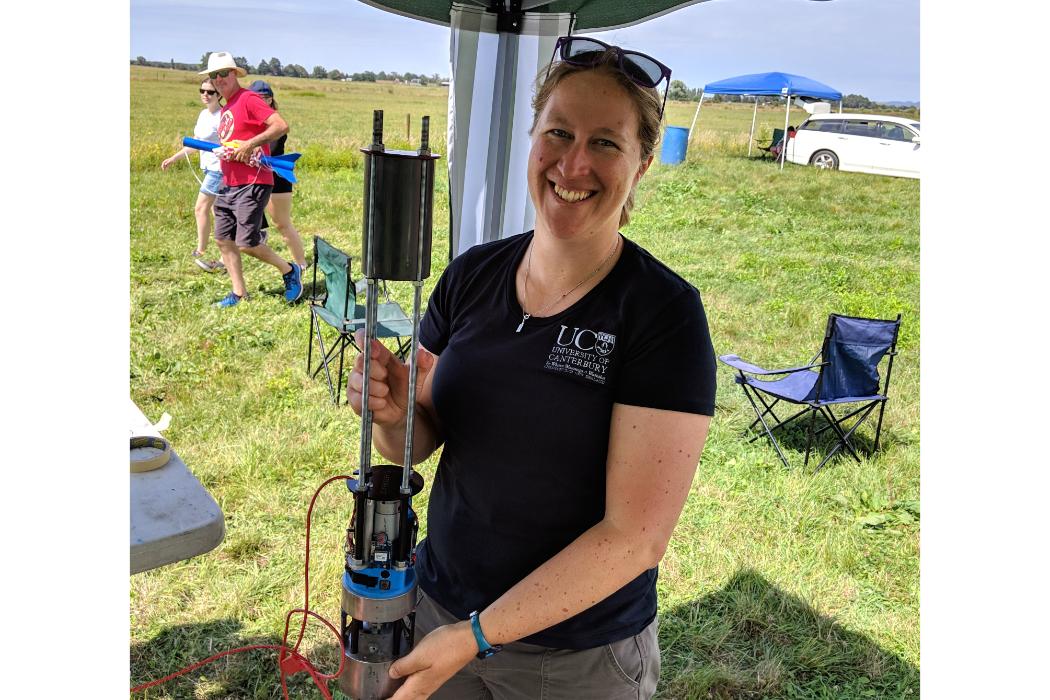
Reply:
x=243, y=117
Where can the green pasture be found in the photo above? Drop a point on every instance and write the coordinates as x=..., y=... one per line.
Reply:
x=777, y=583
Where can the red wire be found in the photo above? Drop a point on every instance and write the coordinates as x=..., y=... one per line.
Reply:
x=290, y=661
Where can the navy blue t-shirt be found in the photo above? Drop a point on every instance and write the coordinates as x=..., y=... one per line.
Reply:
x=525, y=418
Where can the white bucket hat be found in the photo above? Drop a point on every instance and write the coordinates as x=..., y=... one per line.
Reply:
x=221, y=60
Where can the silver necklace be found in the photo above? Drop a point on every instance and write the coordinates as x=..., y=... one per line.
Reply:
x=525, y=315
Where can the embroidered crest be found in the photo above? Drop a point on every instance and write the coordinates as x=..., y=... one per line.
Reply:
x=604, y=343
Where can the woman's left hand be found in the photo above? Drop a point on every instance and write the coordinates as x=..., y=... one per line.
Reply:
x=434, y=660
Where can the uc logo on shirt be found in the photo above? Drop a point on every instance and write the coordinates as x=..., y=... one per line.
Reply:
x=585, y=339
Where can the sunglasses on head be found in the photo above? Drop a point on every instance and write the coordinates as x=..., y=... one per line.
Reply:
x=209, y=92
x=643, y=70
x=220, y=73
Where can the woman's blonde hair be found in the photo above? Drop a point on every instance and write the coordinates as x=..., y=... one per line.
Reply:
x=646, y=102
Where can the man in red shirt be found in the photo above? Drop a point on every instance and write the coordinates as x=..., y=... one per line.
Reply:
x=247, y=125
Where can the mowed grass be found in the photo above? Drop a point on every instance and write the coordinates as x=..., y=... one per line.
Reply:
x=777, y=583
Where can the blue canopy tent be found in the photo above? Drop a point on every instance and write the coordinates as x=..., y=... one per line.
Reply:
x=778, y=84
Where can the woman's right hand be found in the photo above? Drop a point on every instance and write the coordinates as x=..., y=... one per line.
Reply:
x=388, y=383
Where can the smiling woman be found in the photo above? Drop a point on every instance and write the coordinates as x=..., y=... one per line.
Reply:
x=545, y=378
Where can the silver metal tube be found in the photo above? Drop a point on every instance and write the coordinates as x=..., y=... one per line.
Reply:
x=366, y=515
x=385, y=519
x=378, y=609
x=368, y=680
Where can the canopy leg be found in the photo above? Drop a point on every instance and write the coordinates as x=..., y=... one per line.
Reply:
x=751, y=136
x=784, y=148
x=690, y=135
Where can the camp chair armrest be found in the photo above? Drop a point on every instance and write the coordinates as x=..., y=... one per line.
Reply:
x=737, y=363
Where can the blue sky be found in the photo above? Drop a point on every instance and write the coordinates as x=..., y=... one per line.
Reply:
x=866, y=47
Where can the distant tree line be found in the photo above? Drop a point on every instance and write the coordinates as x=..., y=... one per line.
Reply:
x=294, y=70
x=171, y=64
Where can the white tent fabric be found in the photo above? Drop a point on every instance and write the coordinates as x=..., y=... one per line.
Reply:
x=489, y=115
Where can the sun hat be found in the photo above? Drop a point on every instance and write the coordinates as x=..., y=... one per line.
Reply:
x=262, y=87
x=221, y=60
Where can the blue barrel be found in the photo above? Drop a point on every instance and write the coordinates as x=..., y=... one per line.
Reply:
x=676, y=138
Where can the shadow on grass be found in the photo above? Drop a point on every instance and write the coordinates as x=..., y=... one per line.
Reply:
x=793, y=436
x=753, y=640
x=250, y=674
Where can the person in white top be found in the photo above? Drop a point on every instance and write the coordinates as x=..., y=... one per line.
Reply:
x=206, y=129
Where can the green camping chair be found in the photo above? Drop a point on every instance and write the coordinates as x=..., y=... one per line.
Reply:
x=335, y=305
x=777, y=135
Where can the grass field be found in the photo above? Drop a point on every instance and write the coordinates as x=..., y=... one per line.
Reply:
x=777, y=583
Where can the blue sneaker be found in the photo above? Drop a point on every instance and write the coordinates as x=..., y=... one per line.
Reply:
x=229, y=300
x=293, y=284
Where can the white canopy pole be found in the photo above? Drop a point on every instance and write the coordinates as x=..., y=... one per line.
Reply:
x=690, y=136
x=489, y=107
x=751, y=136
x=783, y=147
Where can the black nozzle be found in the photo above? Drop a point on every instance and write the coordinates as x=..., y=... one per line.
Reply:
x=424, y=140
x=377, y=129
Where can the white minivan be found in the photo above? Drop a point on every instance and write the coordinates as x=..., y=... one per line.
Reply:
x=865, y=143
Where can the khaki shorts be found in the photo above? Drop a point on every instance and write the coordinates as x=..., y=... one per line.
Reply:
x=625, y=670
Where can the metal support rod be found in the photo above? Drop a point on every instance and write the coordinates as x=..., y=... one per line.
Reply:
x=370, y=311
x=766, y=426
x=413, y=375
x=413, y=372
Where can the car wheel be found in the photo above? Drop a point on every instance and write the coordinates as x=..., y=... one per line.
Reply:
x=825, y=160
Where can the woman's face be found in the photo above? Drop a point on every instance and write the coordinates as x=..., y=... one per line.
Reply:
x=585, y=156
x=209, y=95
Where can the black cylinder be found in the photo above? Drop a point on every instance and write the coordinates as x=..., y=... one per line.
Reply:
x=360, y=509
x=400, y=203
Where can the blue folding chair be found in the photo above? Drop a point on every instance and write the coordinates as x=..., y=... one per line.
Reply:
x=847, y=374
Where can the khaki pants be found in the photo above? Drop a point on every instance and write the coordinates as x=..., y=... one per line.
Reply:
x=624, y=670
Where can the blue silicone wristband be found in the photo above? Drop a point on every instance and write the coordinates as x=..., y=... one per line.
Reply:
x=485, y=649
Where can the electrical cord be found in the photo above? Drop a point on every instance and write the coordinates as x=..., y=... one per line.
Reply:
x=289, y=660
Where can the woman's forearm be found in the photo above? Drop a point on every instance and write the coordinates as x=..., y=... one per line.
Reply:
x=389, y=441
x=640, y=518
x=597, y=564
